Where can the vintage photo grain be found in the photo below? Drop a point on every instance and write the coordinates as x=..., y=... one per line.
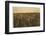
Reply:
x=26, y=16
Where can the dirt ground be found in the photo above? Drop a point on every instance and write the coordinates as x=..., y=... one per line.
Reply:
x=26, y=19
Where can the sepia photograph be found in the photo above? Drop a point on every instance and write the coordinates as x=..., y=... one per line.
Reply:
x=26, y=16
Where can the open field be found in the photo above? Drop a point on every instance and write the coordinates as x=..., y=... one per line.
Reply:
x=26, y=19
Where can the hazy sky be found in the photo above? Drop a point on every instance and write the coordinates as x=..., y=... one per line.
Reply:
x=26, y=10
